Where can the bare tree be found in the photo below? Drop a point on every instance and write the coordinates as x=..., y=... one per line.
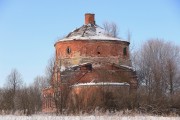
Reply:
x=6, y=100
x=14, y=82
x=40, y=82
x=22, y=100
x=50, y=69
x=29, y=99
x=157, y=64
x=111, y=29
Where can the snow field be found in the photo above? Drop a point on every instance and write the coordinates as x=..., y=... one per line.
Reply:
x=105, y=117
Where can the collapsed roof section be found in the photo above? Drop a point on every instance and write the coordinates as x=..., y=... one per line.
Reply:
x=89, y=31
x=89, y=66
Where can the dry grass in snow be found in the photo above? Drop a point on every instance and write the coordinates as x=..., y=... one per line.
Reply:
x=105, y=117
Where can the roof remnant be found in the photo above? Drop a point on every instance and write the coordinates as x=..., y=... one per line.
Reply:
x=89, y=32
x=74, y=67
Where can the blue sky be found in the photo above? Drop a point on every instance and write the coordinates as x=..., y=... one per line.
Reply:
x=29, y=28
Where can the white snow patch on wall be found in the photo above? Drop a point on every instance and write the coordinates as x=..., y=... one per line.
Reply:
x=63, y=68
x=101, y=84
x=131, y=68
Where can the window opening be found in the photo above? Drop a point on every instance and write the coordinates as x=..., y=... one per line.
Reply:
x=98, y=50
x=68, y=50
x=125, y=51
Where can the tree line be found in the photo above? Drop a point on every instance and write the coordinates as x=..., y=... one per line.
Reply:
x=17, y=97
x=158, y=70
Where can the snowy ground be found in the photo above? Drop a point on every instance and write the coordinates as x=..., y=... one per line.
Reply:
x=105, y=117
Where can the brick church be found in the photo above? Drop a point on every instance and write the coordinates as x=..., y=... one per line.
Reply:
x=91, y=67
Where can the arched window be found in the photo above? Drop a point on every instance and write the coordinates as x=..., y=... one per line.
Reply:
x=68, y=50
x=125, y=51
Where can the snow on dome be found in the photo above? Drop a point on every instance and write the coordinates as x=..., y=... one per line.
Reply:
x=89, y=32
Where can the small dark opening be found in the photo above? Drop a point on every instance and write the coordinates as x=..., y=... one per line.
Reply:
x=68, y=50
x=98, y=53
x=125, y=51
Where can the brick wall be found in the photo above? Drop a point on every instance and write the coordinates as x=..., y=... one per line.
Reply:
x=80, y=51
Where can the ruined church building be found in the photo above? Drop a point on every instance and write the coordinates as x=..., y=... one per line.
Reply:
x=89, y=62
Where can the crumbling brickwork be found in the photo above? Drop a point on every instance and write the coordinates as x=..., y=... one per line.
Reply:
x=82, y=51
x=90, y=66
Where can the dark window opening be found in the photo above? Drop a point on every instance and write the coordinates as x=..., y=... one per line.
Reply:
x=125, y=51
x=68, y=50
x=98, y=50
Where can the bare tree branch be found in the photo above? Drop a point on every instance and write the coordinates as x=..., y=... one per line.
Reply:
x=111, y=29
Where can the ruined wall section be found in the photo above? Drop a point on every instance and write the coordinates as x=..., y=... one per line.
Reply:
x=69, y=53
x=48, y=104
x=93, y=97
